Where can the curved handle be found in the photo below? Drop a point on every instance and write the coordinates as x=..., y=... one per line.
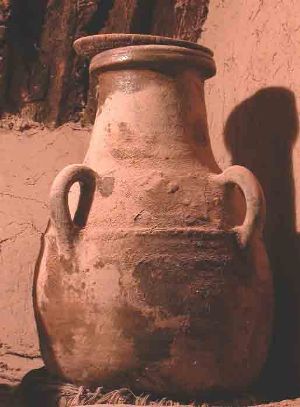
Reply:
x=255, y=200
x=59, y=207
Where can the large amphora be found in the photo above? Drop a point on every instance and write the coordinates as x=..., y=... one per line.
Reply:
x=149, y=285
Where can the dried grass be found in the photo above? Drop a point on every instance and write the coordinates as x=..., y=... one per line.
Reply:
x=62, y=394
x=123, y=396
x=68, y=395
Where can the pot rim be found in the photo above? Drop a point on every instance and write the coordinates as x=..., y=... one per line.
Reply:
x=92, y=45
x=154, y=57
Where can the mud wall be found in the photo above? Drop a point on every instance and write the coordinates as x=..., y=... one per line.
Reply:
x=29, y=161
x=253, y=112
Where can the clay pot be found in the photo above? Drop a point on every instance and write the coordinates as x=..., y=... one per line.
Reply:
x=149, y=286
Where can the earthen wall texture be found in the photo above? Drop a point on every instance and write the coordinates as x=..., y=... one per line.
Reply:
x=253, y=108
x=29, y=162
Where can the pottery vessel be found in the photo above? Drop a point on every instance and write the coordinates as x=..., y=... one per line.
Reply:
x=149, y=285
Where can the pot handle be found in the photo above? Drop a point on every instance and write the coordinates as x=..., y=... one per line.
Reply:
x=59, y=208
x=255, y=201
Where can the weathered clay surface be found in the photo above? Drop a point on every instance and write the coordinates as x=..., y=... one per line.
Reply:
x=93, y=45
x=155, y=290
x=29, y=161
x=253, y=116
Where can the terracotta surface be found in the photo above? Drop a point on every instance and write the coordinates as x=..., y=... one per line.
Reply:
x=92, y=45
x=253, y=117
x=150, y=286
x=29, y=161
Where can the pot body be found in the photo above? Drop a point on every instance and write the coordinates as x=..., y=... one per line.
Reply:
x=148, y=286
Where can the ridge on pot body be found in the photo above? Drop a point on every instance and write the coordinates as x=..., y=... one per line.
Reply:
x=149, y=286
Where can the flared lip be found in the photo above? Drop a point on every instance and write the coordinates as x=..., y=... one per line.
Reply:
x=118, y=51
x=94, y=44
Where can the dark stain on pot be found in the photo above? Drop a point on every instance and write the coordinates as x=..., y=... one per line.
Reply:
x=154, y=346
x=125, y=131
x=99, y=264
x=130, y=320
x=193, y=221
x=108, y=128
x=150, y=344
x=70, y=315
x=68, y=265
x=106, y=185
x=177, y=284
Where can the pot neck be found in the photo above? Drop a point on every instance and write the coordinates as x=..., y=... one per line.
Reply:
x=151, y=107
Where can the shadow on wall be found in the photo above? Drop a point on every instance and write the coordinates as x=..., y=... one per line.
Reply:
x=260, y=134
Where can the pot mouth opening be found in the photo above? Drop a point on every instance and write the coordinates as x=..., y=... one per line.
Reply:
x=132, y=51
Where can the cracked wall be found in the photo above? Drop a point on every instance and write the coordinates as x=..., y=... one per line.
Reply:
x=29, y=162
